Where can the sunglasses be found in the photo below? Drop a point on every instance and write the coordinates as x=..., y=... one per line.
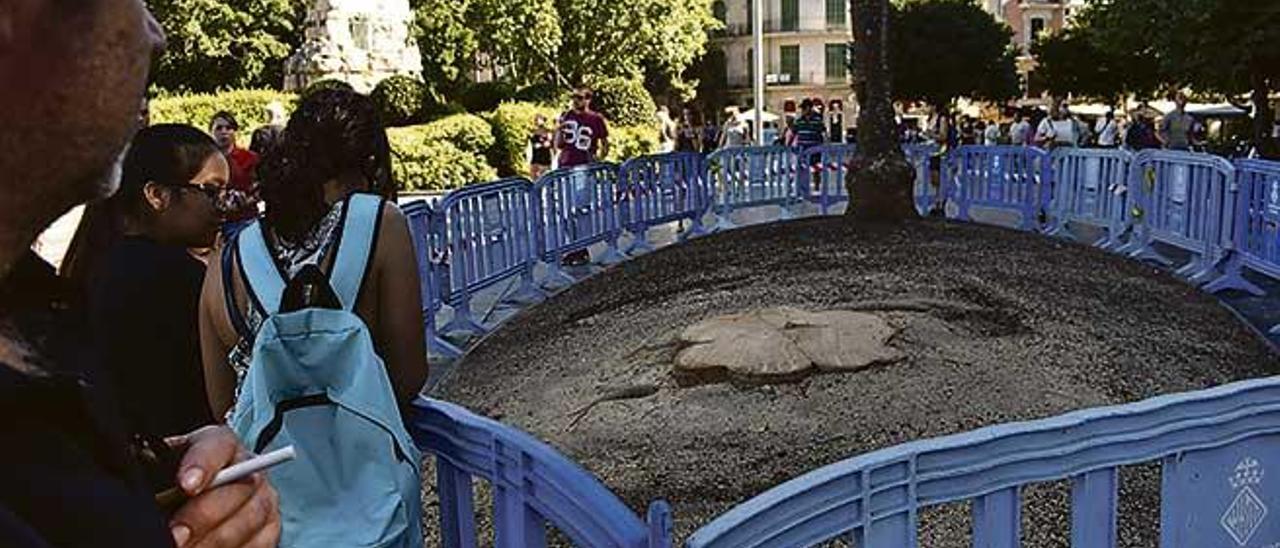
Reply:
x=581, y=97
x=216, y=195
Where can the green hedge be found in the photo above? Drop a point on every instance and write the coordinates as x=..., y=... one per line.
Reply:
x=323, y=84
x=401, y=100
x=248, y=106
x=485, y=96
x=623, y=101
x=512, y=126
x=627, y=142
x=421, y=160
x=467, y=132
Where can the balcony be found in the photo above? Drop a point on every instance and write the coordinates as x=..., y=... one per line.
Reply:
x=775, y=25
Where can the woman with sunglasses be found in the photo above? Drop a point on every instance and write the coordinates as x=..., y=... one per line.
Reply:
x=132, y=256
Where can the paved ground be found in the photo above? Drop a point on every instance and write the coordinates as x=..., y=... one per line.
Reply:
x=1059, y=327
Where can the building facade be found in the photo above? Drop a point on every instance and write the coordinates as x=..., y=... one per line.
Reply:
x=806, y=51
x=1029, y=19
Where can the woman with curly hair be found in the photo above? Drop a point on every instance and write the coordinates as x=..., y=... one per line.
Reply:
x=333, y=147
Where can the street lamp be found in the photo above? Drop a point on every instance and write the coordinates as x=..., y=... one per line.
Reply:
x=757, y=32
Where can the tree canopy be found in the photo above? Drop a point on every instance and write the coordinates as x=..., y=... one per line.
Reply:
x=944, y=49
x=1227, y=48
x=216, y=45
x=564, y=42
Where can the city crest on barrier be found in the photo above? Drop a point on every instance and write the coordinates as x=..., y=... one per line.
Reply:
x=1247, y=510
x=1222, y=497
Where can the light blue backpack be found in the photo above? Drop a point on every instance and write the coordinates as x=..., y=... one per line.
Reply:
x=316, y=383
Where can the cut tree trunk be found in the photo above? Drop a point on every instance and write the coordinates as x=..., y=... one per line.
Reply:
x=879, y=181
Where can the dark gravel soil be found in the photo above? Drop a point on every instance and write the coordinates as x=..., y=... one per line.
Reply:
x=1050, y=327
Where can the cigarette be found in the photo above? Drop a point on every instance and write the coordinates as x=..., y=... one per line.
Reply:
x=230, y=474
x=244, y=469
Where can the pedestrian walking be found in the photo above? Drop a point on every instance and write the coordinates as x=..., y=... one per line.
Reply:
x=541, y=143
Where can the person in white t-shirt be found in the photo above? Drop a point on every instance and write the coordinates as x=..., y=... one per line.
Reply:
x=1108, y=130
x=991, y=135
x=1058, y=129
x=1020, y=131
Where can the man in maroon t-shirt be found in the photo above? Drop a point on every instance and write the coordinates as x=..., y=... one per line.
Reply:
x=582, y=138
x=583, y=135
x=241, y=195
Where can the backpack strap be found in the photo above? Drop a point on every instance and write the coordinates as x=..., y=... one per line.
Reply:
x=262, y=278
x=229, y=258
x=355, y=248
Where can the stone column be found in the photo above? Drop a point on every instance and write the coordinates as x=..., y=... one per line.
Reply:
x=360, y=42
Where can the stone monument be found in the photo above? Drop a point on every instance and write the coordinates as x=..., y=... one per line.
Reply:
x=360, y=42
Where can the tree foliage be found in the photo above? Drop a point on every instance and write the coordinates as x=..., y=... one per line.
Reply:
x=447, y=44
x=623, y=101
x=518, y=37
x=216, y=45
x=944, y=49
x=562, y=42
x=656, y=39
x=1227, y=48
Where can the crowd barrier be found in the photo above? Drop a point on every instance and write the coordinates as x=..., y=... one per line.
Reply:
x=1227, y=217
x=1010, y=178
x=1214, y=446
x=532, y=486
x=1257, y=231
x=1185, y=200
x=579, y=207
x=1089, y=189
x=421, y=218
x=662, y=189
x=488, y=236
x=822, y=173
x=753, y=177
x=927, y=192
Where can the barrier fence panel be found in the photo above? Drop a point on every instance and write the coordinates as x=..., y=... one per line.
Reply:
x=1185, y=200
x=579, y=207
x=1009, y=178
x=533, y=486
x=1216, y=447
x=660, y=189
x=822, y=173
x=1090, y=189
x=752, y=177
x=1257, y=228
x=927, y=194
x=488, y=234
x=421, y=217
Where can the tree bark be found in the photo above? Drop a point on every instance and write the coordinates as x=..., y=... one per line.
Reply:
x=880, y=179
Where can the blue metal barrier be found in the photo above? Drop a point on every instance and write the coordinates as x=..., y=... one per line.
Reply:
x=1000, y=177
x=660, y=189
x=579, y=207
x=752, y=177
x=928, y=194
x=421, y=217
x=532, y=485
x=1090, y=189
x=1186, y=200
x=1214, y=446
x=487, y=236
x=822, y=172
x=1257, y=229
